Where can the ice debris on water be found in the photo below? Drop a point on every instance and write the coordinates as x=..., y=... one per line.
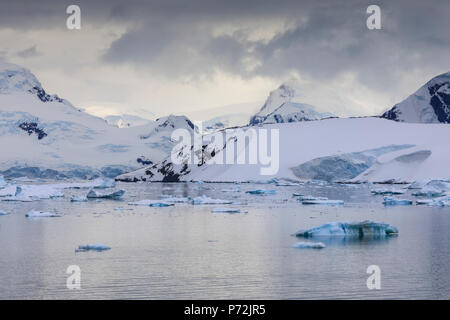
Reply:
x=439, y=202
x=92, y=247
x=92, y=194
x=41, y=214
x=261, y=191
x=391, y=201
x=3, y=213
x=434, y=188
x=350, y=229
x=206, y=200
x=323, y=202
x=387, y=191
x=177, y=199
x=26, y=193
x=309, y=245
x=225, y=210
x=78, y=199
x=151, y=203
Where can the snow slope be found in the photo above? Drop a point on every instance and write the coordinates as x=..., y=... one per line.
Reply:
x=429, y=104
x=280, y=108
x=126, y=120
x=398, y=152
x=44, y=135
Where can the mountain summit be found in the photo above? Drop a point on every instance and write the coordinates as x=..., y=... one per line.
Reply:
x=280, y=108
x=429, y=104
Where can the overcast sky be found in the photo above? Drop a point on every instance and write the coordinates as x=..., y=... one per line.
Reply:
x=157, y=57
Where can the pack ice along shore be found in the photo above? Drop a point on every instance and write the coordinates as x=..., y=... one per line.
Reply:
x=45, y=136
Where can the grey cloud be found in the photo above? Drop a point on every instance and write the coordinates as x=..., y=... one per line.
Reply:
x=28, y=53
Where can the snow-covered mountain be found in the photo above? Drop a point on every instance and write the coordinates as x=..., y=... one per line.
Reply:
x=354, y=149
x=126, y=120
x=429, y=104
x=44, y=135
x=279, y=108
x=223, y=122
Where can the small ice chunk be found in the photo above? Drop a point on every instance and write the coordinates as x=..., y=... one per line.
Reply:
x=350, y=229
x=41, y=214
x=114, y=195
x=177, y=199
x=92, y=247
x=225, y=210
x=286, y=184
x=151, y=203
x=296, y=194
x=441, y=202
x=309, y=245
x=3, y=213
x=311, y=198
x=206, y=200
x=323, y=202
x=387, y=191
x=261, y=191
x=390, y=201
x=78, y=199
x=232, y=190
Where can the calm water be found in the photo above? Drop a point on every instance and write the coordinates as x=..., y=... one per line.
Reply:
x=187, y=252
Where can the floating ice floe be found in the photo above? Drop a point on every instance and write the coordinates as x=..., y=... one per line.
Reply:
x=231, y=190
x=350, y=229
x=78, y=199
x=151, y=203
x=307, y=198
x=114, y=195
x=206, y=200
x=3, y=213
x=387, y=191
x=441, y=202
x=323, y=202
x=92, y=247
x=394, y=201
x=177, y=199
x=434, y=188
x=26, y=193
x=309, y=245
x=225, y=210
x=41, y=214
x=286, y=184
x=261, y=191
x=98, y=183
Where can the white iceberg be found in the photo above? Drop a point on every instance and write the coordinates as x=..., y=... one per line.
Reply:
x=92, y=247
x=387, y=191
x=225, y=210
x=323, y=202
x=151, y=203
x=98, y=183
x=206, y=200
x=41, y=214
x=390, y=201
x=261, y=191
x=114, y=195
x=350, y=229
x=434, y=188
x=26, y=193
x=78, y=199
x=3, y=213
x=309, y=245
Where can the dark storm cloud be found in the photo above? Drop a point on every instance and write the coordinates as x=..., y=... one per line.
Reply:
x=325, y=38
